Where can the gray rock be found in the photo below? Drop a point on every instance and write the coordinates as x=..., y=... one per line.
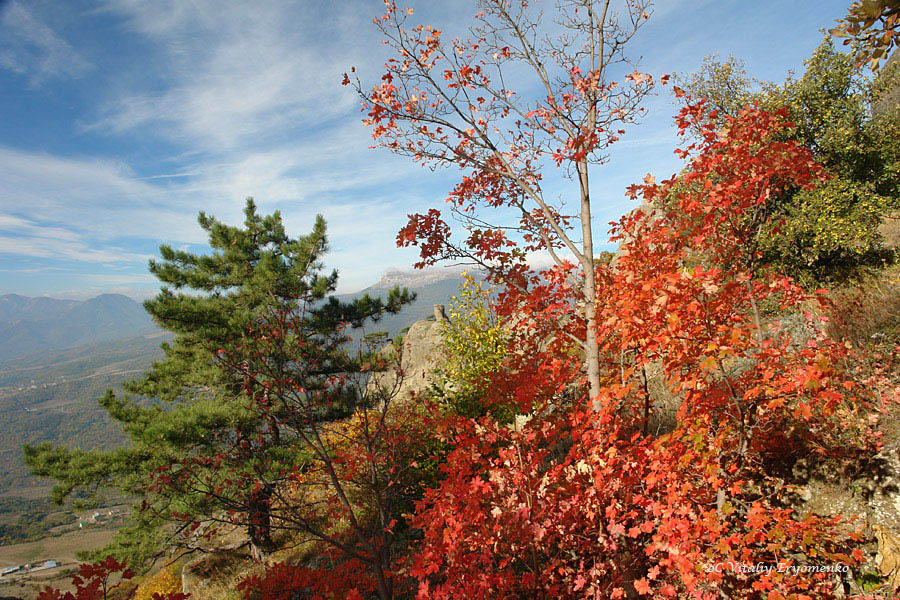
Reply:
x=420, y=355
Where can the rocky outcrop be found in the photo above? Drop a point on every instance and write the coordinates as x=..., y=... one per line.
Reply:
x=868, y=503
x=888, y=558
x=890, y=231
x=420, y=355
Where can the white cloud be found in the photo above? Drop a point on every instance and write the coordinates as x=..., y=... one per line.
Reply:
x=88, y=198
x=252, y=96
x=238, y=73
x=29, y=47
x=26, y=238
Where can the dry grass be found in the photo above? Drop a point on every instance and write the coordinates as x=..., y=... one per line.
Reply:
x=890, y=230
x=867, y=314
x=165, y=581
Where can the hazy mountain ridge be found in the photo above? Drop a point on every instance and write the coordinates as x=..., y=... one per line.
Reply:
x=29, y=325
x=17, y=307
x=412, y=278
x=432, y=286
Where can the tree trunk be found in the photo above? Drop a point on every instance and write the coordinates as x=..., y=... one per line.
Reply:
x=382, y=583
x=589, y=291
x=259, y=528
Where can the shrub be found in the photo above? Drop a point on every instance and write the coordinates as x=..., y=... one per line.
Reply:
x=164, y=582
x=475, y=343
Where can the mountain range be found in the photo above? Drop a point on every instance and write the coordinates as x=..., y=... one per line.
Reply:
x=29, y=325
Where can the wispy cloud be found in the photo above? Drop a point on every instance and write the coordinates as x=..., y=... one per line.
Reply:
x=23, y=237
x=29, y=47
x=92, y=198
x=62, y=250
x=238, y=74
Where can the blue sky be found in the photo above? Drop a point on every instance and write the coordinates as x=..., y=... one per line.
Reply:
x=122, y=119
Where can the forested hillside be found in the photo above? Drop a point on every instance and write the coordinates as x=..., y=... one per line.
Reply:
x=52, y=396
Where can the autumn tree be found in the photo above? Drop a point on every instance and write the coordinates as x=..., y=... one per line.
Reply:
x=190, y=411
x=575, y=502
x=525, y=106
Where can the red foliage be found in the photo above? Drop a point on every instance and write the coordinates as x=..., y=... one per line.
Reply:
x=583, y=502
x=339, y=578
x=95, y=582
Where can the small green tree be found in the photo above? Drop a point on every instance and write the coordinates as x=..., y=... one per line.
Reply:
x=474, y=343
x=829, y=234
x=194, y=411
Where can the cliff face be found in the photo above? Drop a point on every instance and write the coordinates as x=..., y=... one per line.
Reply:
x=420, y=356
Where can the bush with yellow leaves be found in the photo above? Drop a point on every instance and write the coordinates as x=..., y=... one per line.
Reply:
x=474, y=343
x=165, y=581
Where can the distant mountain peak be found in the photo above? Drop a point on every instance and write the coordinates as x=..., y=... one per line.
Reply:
x=112, y=299
x=431, y=286
x=415, y=277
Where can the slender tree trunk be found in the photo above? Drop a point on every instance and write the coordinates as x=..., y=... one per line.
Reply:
x=589, y=290
x=647, y=402
x=721, y=496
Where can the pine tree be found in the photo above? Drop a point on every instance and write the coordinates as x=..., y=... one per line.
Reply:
x=190, y=410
